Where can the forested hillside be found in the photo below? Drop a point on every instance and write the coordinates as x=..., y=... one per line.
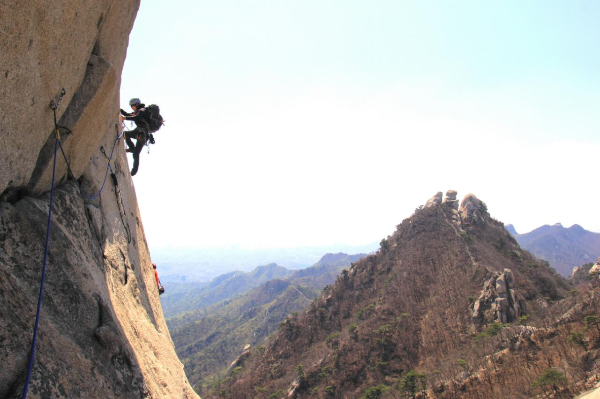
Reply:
x=208, y=339
x=449, y=307
x=194, y=296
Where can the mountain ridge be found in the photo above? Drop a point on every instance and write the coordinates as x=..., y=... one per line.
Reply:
x=564, y=248
x=197, y=296
x=445, y=296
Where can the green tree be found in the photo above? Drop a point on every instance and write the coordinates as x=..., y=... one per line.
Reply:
x=494, y=329
x=551, y=378
x=463, y=363
x=300, y=372
x=523, y=319
x=412, y=383
x=385, y=246
x=577, y=338
x=591, y=321
x=277, y=394
x=375, y=392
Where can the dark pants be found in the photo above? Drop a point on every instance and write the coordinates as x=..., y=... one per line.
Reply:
x=140, y=138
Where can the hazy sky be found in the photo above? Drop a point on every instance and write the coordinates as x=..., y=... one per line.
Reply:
x=299, y=123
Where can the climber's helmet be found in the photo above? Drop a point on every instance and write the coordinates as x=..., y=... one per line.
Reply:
x=134, y=102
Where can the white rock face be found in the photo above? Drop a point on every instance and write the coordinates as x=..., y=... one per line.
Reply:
x=472, y=208
x=435, y=200
x=102, y=331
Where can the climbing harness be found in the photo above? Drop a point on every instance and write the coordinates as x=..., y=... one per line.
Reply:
x=54, y=104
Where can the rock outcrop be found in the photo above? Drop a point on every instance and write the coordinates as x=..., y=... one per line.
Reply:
x=102, y=332
x=498, y=300
x=585, y=273
x=239, y=361
x=435, y=200
x=595, y=270
x=451, y=199
x=473, y=208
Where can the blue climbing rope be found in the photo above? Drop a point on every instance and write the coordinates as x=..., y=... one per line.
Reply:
x=57, y=144
x=39, y=305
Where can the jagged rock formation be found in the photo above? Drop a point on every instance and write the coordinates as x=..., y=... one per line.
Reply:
x=435, y=200
x=102, y=332
x=596, y=268
x=511, y=229
x=401, y=322
x=451, y=199
x=584, y=273
x=473, y=208
x=499, y=297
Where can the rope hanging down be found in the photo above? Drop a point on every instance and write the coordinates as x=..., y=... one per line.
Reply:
x=57, y=144
x=89, y=197
x=39, y=305
x=118, y=197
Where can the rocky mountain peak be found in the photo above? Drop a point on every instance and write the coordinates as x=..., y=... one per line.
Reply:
x=577, y=229
x=472, y=207
x=448, y=289
x=451, y=199
x=435, y=200
x=511, y=229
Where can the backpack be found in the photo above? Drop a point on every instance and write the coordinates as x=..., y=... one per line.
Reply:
x=153, y=117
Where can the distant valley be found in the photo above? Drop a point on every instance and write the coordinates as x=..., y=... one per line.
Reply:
x=201, y=265
x=209, y=334
x=195, y=296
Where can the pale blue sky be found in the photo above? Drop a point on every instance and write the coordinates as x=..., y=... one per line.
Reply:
x=293, y=123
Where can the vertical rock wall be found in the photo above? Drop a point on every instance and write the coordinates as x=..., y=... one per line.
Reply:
x=102, y=332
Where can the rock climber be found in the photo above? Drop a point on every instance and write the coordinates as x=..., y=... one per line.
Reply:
x=161, y=289
x=140, y=133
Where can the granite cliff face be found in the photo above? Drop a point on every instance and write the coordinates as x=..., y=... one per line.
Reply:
x=102, y=331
